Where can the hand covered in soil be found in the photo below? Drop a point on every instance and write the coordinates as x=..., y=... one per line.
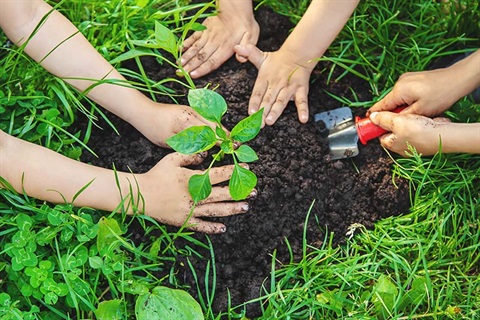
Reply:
x=165, y=192
x=159, y=122
x=429, y=93
x=426, y=135
x=206, y=50
x=280, y=79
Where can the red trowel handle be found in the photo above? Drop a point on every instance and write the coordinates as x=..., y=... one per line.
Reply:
x=367, y=131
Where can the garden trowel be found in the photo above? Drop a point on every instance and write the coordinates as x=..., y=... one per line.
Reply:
x=344, y=131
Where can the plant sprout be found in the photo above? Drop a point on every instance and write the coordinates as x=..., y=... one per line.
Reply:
x=196, y=139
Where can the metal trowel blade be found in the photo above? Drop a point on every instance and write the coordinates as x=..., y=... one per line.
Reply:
x=342, y=133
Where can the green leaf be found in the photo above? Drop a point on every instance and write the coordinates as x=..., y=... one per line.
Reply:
x=165, y=303
x=415, y=295
x=95, y=262
x=24, y=222
x=221, y=133
x=208, y=104
x=384, y=294
x=241, y=183
x=165, y=38
x=246, y=154
x=110, y=310
x=248, y=128
x=227, y=147
x=199, y=186
x=56, y=217
x=108, y=230
x=192, y=140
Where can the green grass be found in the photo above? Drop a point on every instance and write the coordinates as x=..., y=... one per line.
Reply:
x=60, y=262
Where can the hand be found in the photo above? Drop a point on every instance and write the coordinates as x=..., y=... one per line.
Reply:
x=427, y=93
x=158, y=122
x=423, y=133
x=206, y=50
x=280, y=79
x=165, y=192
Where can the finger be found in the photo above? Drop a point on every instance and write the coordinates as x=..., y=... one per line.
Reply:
x=215, y=60
x=184, y=160
x=199, y=225
x=390, y=142
x=386, y=120
x=246, y=40
x=301, y=101
x=191, y=40
x=221, y=174
x=251, y=53
x=194, y=54
x=277, y=108
x=259, y=89
x=382, y=105
x=221, y=209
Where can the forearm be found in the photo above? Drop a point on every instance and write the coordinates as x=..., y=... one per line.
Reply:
x=461, y=138
x=465, y=75
x=243, y=8
x=46, y=175
x=317, y=29
x=64, y=51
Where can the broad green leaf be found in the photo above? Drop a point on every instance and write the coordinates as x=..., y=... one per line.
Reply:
x=56, y=217
x=384, y=294
x=108, y=230
x=415, y=295
x=246, y=154
x=95, y=262
x=208, y=104
x=193, y=140
x=165, y=38
x=227, y=147
x=165, y=303
x=24, y=222
x=199, y=186
x=221, y=133
x=241, y=183
x=248, y=128
x=110, y=310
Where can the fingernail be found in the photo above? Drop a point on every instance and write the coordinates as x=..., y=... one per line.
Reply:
x=245, y=208
x=244, y=165
x=182, y=61
x=373, y=115
x=223, y=229
x=203, y=154
x=193, y=73
x=253, y=194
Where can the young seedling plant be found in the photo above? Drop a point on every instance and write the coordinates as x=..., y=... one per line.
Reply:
x=211, y=105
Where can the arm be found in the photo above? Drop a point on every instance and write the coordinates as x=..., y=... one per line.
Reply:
x=284, y=75
x=430, y=93
x=65, y=52
x=46, y=175
x=426, y=134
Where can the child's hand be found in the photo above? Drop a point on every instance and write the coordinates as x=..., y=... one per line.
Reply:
x=427, y=93
x=206, y=50
x=158, y=122
x=423, y=133
x=165, y=192
x=279, y=81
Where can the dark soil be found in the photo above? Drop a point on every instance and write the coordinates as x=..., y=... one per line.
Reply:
x=294, y=171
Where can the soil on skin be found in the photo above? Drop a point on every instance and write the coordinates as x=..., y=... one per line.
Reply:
x=294, y=171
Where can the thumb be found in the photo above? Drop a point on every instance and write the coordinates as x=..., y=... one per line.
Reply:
x=251, y=53
x=183, y=160
x=386, y=120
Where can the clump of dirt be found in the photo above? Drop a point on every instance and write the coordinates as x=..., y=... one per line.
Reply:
x=294, y=173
